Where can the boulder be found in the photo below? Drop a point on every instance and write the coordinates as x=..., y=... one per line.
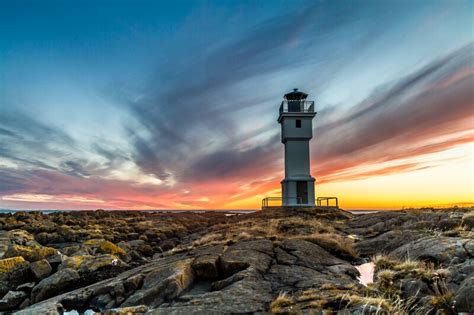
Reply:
x=101, y=246
x=62, y=281
x=22, y=237
x=13, y=271
x=245, y=254
x=465, y=296
x=90, y=264
x=414, y=289
x=445, y=251
x=30, y=253
x=41, y=269
x=12, y=299
x=163, y=283
x=468, y=220
x=26, y=287
x=136, y=310
x=206, y=267
x=385, y=243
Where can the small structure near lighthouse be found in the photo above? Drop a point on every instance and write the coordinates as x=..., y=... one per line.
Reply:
x=296, y=120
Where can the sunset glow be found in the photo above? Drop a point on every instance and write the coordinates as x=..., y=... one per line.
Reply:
x=163, y=105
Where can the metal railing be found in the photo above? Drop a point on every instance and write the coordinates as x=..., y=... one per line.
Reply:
x=297, y=107
x=320, y=200
x=279, y=201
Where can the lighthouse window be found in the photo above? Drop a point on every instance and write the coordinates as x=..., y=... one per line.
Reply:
x=298, y=123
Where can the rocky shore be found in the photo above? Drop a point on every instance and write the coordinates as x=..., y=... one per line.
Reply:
x=283, y=261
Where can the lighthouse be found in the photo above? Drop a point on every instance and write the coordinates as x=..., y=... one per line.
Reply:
x=296, y=120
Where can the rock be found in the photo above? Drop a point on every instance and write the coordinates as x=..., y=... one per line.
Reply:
x=30, y=253
x=136, y=310
x=13, y=271
x=102, y=301
x=9, y=265
x=26, y=287
x=245, y=254
x=167, y=245
x=101, y=246
x=414, y=289
x=24, y=304
x=12, y=299
x=310, y=255
x=468, y=220
x=63, y=280
x=41, y=269
x=206, y=267
x=385, y=242
x=447, y=224
x=22, y=237
x=439, y=250
x=249, y=294
x=465, y=296
x=91, y=264
x=163, y=284
x=50, y=308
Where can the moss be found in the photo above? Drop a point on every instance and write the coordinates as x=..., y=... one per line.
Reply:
x=105, y=247
x=30, y=253
x=9, y=264
x=75, y=262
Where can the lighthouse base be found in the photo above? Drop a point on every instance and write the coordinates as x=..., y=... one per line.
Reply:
x=298, y=191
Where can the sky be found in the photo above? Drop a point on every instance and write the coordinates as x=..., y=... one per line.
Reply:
x=174, y=104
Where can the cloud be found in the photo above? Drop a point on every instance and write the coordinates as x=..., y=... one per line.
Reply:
x=191, y=124
x=401, y=120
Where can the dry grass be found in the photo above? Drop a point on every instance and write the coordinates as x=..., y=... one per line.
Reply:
x=389, y=273
x=367, y=301
x=321, y=233
x=283, y=304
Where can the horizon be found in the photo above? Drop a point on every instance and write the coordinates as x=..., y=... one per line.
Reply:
x=173, y=105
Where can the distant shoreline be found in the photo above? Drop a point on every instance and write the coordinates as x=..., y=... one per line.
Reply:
x=12, y=211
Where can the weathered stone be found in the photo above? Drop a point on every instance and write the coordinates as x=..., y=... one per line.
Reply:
x=101, y=246
x=93, y=264
x=63, y=280
x=447, y=224
x=13, y=271
x=30, y=253
x=310, y=255
x=12, y=299
x=26, y=287
x=385, y=242
x=41, y=269
x=22, y=237
x=163, y=284
x=136, y=310
x=414, y=289
x=439, y=250
x=49, y=308
x=465, y=296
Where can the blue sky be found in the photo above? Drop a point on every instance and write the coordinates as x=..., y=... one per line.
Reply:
x=178, y=99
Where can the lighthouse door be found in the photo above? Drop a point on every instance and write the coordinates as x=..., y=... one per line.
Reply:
x=302, y=192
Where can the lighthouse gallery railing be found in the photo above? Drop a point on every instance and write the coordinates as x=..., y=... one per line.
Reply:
x=297, y=107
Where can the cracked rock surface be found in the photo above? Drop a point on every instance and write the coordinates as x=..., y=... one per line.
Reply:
x=273, y=261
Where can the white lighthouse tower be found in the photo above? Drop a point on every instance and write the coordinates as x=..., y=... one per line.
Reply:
x=296, y=119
